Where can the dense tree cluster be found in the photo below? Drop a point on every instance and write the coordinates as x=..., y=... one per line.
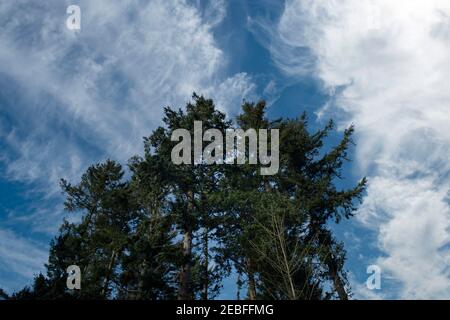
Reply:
x=157, y=230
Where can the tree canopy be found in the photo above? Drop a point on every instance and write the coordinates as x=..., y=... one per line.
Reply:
x=156, y=230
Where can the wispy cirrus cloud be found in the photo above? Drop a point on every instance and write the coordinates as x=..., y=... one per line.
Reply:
x=21, y=258
x=386, y=65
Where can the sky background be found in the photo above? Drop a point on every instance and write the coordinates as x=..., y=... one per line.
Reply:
x=70, y=99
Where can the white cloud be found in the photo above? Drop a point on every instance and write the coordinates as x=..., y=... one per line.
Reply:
x=392, y=59
x=213, y=12
x=20, y=256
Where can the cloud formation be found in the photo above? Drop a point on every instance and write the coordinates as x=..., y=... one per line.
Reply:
x=386, y=65
x=20, y=257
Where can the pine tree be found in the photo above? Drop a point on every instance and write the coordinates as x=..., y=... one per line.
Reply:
x=97, y=243
x=190, y=187
x=308, y=176
x=150, y=264
x=289, y=253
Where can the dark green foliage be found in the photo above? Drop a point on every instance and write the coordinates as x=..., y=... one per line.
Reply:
x=276, y=227
x=3, y=295
x=175, y=231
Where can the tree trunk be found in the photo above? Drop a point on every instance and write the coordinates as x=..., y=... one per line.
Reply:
x=329, y=261
x=337, y=281
x=108, y=273
x=206, y=254
x=140, y=287
x=185, y=273
x=251, y=281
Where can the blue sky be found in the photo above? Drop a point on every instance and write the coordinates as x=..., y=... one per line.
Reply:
x=69, y=99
